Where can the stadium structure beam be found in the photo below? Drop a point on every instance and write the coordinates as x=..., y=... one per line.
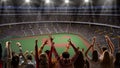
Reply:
x=89, y=23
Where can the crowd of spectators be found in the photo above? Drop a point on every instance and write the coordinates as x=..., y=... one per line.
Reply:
x=101, y=57
x=87, y=31
x=37, y=27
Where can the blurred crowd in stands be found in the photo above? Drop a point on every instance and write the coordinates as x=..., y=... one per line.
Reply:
x=87, y=31
x=101, y=57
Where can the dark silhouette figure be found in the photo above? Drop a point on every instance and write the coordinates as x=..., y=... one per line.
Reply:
x=0, y=51
x=117, y=61
x=80, y=62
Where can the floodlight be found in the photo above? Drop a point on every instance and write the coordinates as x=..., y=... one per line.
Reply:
x=86, y=1
x=27, y=1
x=3, y=0
x=66, y=1
x=47, y=1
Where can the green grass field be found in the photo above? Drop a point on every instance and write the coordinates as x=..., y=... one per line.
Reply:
x=61, y=39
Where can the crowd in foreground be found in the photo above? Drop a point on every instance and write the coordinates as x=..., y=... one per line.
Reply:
x=101, y=57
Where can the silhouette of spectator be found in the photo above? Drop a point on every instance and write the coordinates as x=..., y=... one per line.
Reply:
x=64, y=61
x=94, y=61
x=7, y=55
x=29, y=62
x=42, y=59
x=15, y=61
x=1, y=56
x=117, y=60
x=0, y=51
x=107, y=58
x=80, y=62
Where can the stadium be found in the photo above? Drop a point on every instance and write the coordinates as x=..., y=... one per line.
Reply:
x=77, y=21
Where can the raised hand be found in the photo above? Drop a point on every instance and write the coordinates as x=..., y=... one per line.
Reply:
x=26, y=52
x=31, y=52
x=94, y=38
x=50, y=38
x=110, y=44
x=36, y=41
x=8, y=44
x=45, y=42
x=18, y=44
x=106, y=36
x=69, y=40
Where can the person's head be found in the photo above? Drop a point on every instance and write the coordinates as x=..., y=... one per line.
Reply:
x=43, y=59
x=106, y=57
x=104, y=48
x=47, y=52
x=43, y=55
x=80, y=56
x=29, y=57
x=65, y=55
x=15, y=60
x=20, y=54
x=80, y=60
x=117, y=58
x=95, y=56
x=13, y=53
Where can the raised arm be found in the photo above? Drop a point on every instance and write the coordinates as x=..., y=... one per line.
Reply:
x=55, y=53
x=9, y=50
x=42, y=46
x=91, y=46
x=73, y=46
x=19, y=46
x=32, y=53
x=36, y=54
x=25, y=54
x=50, y=53
x=53, y=49
x=76, y=50
x=86, y=53
x=21, y=52
x=110, y=44
x=93, y=43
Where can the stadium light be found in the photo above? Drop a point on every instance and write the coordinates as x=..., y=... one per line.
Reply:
x=66, y=1
x=27, y=1
x=86, y=1
x=3, y=0
x=47, y=1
